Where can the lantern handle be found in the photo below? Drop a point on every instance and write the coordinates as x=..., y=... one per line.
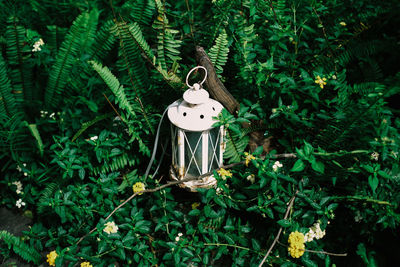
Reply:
x=190, y=72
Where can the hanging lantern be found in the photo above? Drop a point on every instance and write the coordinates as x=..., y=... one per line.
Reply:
x=197, y=146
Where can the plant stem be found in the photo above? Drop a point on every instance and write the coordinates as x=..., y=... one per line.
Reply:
x=360, y=198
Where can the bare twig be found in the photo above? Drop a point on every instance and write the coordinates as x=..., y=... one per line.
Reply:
x=319, y=251
x=291, y=201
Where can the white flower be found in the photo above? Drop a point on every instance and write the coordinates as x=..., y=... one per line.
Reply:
x=25, y=174
x=314, y=232
x=251, y=178
x=19, y=203
x=52, y=115
x=37, y=45
x=375, y=156
x=19, y=168
x=94, y=138
x=178, y=237
x=19, y=187
x=110, y=228
x=276, y=166
x=358, y=217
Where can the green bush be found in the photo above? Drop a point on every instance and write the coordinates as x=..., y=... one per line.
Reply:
x=82, y=89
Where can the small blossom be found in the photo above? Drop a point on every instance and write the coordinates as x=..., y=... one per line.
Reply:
x=343, y=23
x=110, y=228
x=249, y=157
x=224, y=173
x=274, y=110
x=195, y=205
x=94, y=138
x=178, y=237
x=320, y=81
x=25, y=174
x=52, y=115
x=19, y=168
x=314, y=232
x=358, y=216
x=139, y=186
x=334, y=77
x=86, y=264
x=19, y=186
x=51, y=258
x=276, y=166
x=37, y=45
x=375, y=156
x=296, y=244
x=20, y=203
x=251, y=178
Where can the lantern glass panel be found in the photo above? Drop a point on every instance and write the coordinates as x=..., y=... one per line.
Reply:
x=214, y=148
x=174, y=134
x=193, y=153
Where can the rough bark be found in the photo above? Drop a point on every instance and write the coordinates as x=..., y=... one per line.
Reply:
x=216, y=88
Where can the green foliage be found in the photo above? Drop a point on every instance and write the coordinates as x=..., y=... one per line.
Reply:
x=25, y=251
x=315, y=82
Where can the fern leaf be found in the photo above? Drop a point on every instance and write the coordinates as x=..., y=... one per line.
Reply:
x=140, y=11
x=25, y=251
x=18, y=57
x=167, y=46
x=235, y=146
x=35, y=133
x=87, y=124
x=46, y=194
x=103, y=42
x=8, y=105
x=115, y=86
x=65, y=60
x=219, y=53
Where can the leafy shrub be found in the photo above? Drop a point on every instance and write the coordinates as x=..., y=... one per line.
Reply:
x=82, y=89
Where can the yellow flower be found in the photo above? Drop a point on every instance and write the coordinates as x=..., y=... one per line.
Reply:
x=86, y=264
x=51, y=258
x=138, y=187
x=249, y=157
x=320, y=81
x=195, y=205
x=110, y=228
x=224, y=173
x=343, y=23
x=296, y=244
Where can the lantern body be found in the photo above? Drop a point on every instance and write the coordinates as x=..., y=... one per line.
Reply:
x=197, y=147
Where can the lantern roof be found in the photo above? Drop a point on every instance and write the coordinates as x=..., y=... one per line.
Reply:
x=196, y=111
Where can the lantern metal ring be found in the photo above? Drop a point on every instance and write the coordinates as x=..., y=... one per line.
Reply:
x=190, y=72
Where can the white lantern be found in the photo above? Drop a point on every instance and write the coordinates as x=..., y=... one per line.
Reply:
x=197, y=147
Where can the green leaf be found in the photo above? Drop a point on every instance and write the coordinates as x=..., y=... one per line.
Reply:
x=373, y=182
x=284, y=223
x=298, y=166
x=318, y=166
x=259, y=150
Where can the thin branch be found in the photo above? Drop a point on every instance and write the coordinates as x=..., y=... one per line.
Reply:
x=319, y=251
x=291, y=201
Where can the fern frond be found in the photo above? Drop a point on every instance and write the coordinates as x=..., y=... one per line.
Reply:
x=89, y=33
x=235, y=146
x=219, y=53
x=87, y=124
x=104, y=41
x=46, y=194
x=54, y=36
x=167, y=46
x=8, y=105
x=116, y=163
x=131, y=59
x=35, y=133
x=18, y=57
x=65, y=60
x=115, y=86
x=140, y=11
x=25, y=251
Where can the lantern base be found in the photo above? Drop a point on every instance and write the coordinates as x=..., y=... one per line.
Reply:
x=205, y=182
